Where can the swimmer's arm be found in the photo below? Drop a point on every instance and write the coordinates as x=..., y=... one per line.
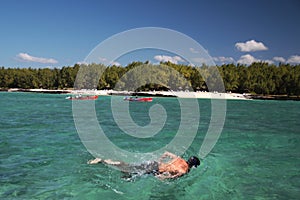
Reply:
x=168, y=175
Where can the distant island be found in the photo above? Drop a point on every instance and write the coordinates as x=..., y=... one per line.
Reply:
x=260, y=80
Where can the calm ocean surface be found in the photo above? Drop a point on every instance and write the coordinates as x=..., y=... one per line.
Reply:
x=42, y=157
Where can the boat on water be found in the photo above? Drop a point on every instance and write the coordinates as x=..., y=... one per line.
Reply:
x=79, y=97
x=139, y=99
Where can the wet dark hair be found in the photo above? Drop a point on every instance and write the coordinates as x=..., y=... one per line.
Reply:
x=193, y=161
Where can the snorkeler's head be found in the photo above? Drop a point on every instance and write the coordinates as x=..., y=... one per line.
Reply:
x=193, y=161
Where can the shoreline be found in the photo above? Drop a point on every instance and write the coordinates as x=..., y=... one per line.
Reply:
x=275, y=97
x=37, y=91
x=179, y=94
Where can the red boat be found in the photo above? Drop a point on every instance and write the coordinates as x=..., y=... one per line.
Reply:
x=79, y=97
x=140, y=99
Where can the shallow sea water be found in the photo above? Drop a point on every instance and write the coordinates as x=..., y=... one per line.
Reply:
x=41, y=155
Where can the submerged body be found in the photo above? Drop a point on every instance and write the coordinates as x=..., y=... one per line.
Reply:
x=174, y=167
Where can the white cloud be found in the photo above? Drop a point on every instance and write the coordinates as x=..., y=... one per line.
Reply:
x=193, y=50
x=222, y=59
x=82, y=63
x=267, y=61
x=294, y=59
x=247, y=59
x=115, y=63
x=104, y=60
x=203, y=61
x=24, y=57
x=250, y=45
x=163, y=58
x=279, y=59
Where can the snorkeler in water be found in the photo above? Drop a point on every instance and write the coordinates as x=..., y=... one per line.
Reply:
x=172, y=168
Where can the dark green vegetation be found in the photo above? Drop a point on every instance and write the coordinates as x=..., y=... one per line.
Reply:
x=259, y=78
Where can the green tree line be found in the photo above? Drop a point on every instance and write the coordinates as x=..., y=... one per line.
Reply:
x=259, y=77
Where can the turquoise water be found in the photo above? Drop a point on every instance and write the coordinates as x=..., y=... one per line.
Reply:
x=42, y=157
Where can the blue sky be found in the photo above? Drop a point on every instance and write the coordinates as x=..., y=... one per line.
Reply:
x=56, y=33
